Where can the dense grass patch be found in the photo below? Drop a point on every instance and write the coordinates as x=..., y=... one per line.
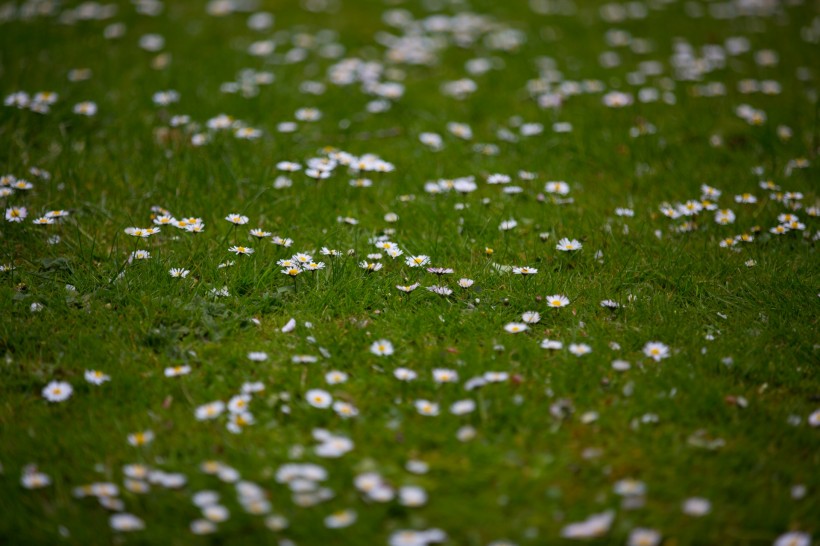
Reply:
x=671, y=395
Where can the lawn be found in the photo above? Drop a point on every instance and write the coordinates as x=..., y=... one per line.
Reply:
x=409, y=272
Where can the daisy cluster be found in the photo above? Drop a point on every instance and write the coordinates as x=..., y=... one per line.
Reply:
x=319, y=394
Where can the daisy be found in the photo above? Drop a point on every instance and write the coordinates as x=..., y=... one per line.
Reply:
x=725, y=217
x=345, y=410
x=143, y=233
x=462, y=407
x=407, y=288
x=465, y=283
x=560, y=187
x=208, y=411
x=382, y=347
x=404, y=374
x=237, y=219
x=289, y=326
x=16, y=214
x=690, y=208
x=304, y=359
x=746, y=198
x=370, y=266
x=287, y=127
x=247, y=133
x=617, y=99
x=656, y=350
x=257, y=356
x=288, y=166
x=524, y=271
x=335, y=377
x=621, y=365
x=531, y=317
x=239, y=403
x=507, y=225
x=291, y=271
x=86, y=108
x=610, y=304
x=260, y=233
x=557, y=300
x=566, y=245
x=412, y=495
x=696, y=506
x=34, y=479
x=594, y=526
x=317, y=174
x=318, y=398
x=425, y=407
x=709, y=191
x=460, y=130
x=432, y=140
x=137, y=439
x=202, y=527
x=57, y=391
x=580, y=349
x=341, y=519
x=417, y=261
x=216, y=513
x=630, y=487
x=239, y=420
x=205, y=498
x=256, y=386
x=516, y=327
x=308, y=114
x=793, y=538
x=96, y=377
x=126, y=522
x=643, y=537
x=441, y=375
x=246, y=250
x=21, y=184
x=165, y=220
x=43, y=221
x=178, y=272
x=440, y=290
x=176, y=371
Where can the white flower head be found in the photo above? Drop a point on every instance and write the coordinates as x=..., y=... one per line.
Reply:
x=318, y=398
x=57, y=391
x=656, y=350
x=516, y=327
x=381, y=347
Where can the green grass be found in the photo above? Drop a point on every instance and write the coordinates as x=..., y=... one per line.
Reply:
x=525, y=475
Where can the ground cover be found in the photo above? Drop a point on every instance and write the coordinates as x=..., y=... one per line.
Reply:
x=409, y=273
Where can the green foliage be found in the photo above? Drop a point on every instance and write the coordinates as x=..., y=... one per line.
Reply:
x=732, y=400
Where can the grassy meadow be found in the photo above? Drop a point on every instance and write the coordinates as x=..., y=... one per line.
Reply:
x=409, y=272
